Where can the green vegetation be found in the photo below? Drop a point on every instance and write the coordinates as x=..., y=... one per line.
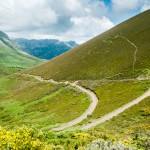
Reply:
x=4, y=71
x=131, y=118
x=132, y=125
x=46, y=106
x=49, y=105
x=128, y=130
x=114, y=94
x=110, y=54
x=22, y=138
x=41, y=106
x=13, y=59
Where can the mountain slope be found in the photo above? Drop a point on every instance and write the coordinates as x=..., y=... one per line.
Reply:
x=123, y=51
x=12, y=57
x=46, y=48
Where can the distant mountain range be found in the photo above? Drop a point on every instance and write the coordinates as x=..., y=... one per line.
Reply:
x=44, y=48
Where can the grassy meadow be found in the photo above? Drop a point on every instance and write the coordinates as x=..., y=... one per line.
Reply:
x=24, y=100
x=27, y=117
x=114, y=94
x=129, y=130
x=12, y=59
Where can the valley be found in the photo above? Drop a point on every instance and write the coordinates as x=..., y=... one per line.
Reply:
x=44, y=48
x=13, y=59
x=95, y=96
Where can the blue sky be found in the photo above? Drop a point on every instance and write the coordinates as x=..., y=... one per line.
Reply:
x=107, y=2
x=78, y=20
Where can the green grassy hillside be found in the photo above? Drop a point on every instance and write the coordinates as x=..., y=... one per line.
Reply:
x=123, y=51
x=132, y=126
x=126, y=131
x=13, y=59
x=114, y=94
x=46, y=106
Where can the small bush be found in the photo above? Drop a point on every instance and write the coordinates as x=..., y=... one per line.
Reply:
x=145, y=111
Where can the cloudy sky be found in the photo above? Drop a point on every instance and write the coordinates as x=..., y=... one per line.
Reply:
x=77, y=20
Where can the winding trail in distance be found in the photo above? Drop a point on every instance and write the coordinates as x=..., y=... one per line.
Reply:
x=89, y=111
x=116, y=112
x=135, y=52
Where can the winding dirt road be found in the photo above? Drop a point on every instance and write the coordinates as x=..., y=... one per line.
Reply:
x=89, y=111
x=116, y=112
x=94, y=101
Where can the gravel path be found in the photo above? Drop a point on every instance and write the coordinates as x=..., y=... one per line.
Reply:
x=89, y=111
x=94, y=101
x=116, y=112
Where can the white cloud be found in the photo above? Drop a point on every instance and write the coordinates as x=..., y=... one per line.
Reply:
x=124, y=9
x=83, y=29
x=125, y=5
x=87, y=27
x=146, y=5
x=26, y=16
x=67, y=20
x=130, y=5
x=73, y=5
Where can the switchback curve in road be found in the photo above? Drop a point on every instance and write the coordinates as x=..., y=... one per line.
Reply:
x=116, y=112
x=89, y=111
